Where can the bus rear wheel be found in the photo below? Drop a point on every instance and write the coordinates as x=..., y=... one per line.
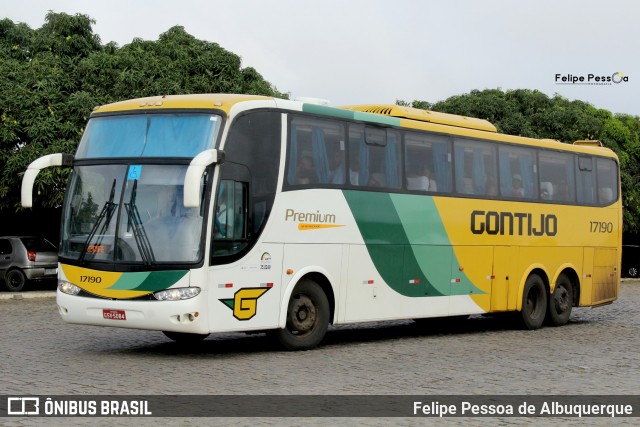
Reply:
x=534, y=302
x=561, y=302
x=307, y=317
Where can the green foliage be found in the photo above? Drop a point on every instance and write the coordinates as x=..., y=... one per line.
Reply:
x=55, y=75
x=533, y=114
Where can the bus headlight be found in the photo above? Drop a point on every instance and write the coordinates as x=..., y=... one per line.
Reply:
x=177, y=294
x=68, y=288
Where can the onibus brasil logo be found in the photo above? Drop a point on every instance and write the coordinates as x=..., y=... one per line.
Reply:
x=245, y=302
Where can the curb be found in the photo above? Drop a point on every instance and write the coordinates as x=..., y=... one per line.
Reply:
x=26, y=295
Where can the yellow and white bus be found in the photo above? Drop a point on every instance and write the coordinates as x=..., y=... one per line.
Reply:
x=198, y=214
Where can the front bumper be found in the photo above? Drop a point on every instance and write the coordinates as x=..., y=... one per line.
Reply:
x=187, y=316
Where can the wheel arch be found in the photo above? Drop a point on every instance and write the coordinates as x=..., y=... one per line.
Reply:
x=319, y=276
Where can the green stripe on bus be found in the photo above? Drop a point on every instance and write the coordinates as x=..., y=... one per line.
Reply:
x=408, y=244
x=350, y=114
x=148, y=281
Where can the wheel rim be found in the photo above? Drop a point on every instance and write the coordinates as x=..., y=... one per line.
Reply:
x=303, y=315
x=561, y=299
x=15, y=279
x=633, y=272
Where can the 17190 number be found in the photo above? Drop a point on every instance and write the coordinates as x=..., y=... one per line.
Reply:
x=601, y=227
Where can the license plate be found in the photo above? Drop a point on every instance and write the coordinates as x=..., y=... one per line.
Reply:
x=51, y=271
x=114, y=314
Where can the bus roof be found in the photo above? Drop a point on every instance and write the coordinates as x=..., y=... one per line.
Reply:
x=425, y=116
x=219, y=101
x=387, y=114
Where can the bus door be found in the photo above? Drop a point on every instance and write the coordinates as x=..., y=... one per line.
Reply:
x=505, y=278
x=242, y=278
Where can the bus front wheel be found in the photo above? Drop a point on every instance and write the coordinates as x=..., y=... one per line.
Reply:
x=307, y=317
x=560, y=302
x=534, y=302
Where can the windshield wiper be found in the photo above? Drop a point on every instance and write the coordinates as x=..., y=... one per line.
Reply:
x=106, y=212
x=139, y=233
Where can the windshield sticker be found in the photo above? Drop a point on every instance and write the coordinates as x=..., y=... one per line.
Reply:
x=134, y=172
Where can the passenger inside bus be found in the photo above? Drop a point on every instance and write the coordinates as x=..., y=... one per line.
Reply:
x=517, y=190
x=546, y=190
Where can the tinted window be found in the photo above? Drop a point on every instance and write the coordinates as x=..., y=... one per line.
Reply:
x=5, y=247
x=517, y=172
x=475, y=166
x=586, y=181
x=316, y=152
x=607, y=181
x=556, y=176
x=249, y=178
x=374, y=159
x=37, y=244
x=149, y=135
x=427, y=162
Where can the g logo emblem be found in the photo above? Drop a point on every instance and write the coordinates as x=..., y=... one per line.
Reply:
x=245, y=302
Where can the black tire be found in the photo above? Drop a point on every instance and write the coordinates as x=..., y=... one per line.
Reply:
x=15, y=280
x=185, y=337
x=534, y=303
x=561, y=302
x=307, y=317
x=633, y=271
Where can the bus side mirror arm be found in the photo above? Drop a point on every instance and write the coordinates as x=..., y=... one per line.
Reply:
x=29, y=178
x=194, y=175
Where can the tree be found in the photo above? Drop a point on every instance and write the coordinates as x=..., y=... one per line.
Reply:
x=533, y=114
x=55, y=75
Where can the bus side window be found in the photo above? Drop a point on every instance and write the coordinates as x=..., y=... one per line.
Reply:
x=607, y=179
x=556, y=176
x=316, y=152
x=230, y=218
x=475, y=167
x=586, y=180
x=518, y=173
x=374, y=159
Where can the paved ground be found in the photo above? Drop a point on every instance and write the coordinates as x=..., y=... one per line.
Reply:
x=598, y=352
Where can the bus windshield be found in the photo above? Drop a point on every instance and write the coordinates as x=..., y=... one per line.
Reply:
x=130, y=214
x=148, y=135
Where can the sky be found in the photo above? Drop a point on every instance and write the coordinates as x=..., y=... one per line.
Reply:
x=380, y=51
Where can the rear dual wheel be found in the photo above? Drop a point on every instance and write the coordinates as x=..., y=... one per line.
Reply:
x=561, y=302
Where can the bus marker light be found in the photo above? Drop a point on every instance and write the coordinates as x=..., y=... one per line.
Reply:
x=461, y=268
x=266, y=285
x=289, y=272
x=414, y=281
x=367, y=282
x=455, y=280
